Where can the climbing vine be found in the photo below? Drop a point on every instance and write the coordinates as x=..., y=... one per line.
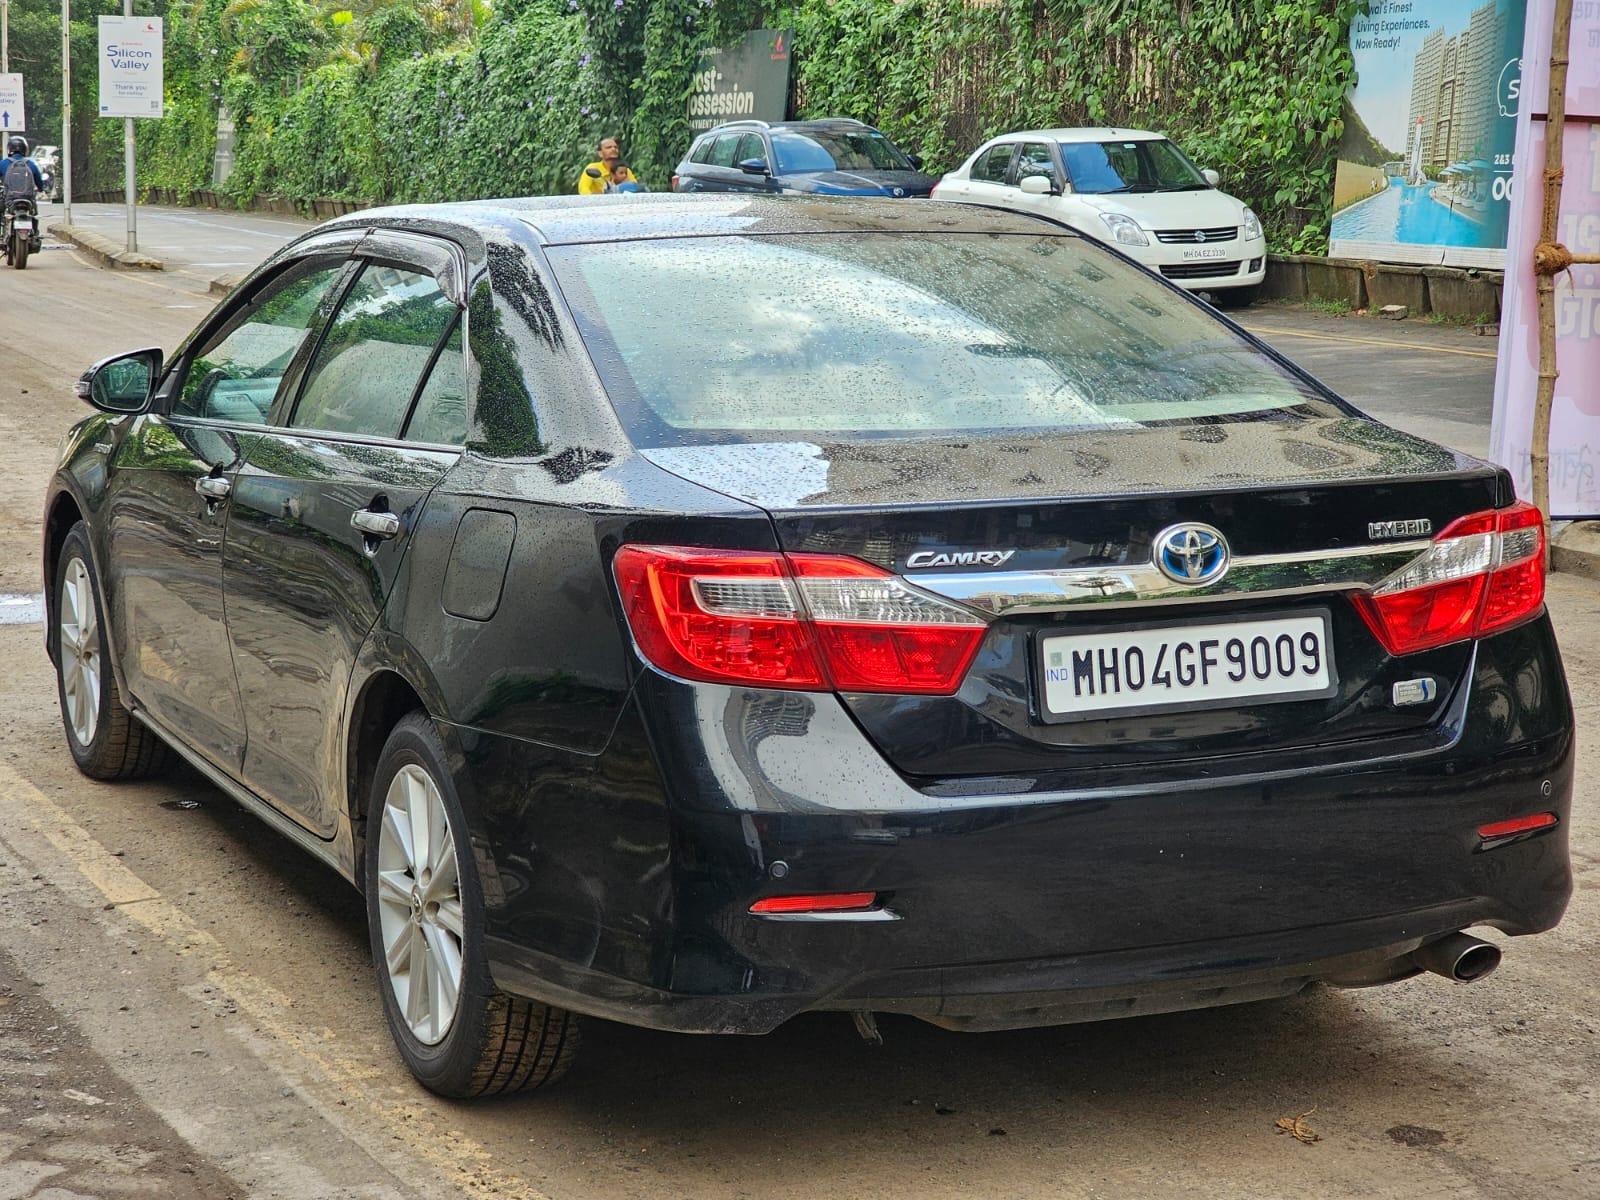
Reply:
x=434, y=99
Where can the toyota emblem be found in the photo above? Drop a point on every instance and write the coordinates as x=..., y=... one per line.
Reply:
x=1191, y=554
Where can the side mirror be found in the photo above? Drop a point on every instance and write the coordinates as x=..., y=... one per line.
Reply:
x=915, y=160
x=754, y=166
x=1212, y=177
x=1036, y=185
x=122, y=384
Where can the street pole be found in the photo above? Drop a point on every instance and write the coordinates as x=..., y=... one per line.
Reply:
x=66, y=112
x=127, y=162
x=5, y=37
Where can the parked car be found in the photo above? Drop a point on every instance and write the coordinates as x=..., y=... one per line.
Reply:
x=704, y=610
x=1131, y=189
x=49, y=160
x=837, y=157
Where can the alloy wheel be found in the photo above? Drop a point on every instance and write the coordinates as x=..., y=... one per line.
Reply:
x=419, y=904
x=80, y=652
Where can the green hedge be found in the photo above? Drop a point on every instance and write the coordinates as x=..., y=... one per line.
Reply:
x=400, y=103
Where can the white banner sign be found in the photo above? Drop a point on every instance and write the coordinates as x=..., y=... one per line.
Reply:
x=131, y=82
x=11, y=119
x=1575, y=417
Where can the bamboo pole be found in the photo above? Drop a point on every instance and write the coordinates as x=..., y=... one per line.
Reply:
x=1549, y=257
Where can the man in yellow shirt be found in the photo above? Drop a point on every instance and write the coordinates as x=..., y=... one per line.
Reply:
x=595, y=184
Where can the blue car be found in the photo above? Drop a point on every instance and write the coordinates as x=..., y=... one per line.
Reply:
x=835, y=157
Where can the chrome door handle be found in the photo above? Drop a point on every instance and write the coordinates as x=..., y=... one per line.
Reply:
x=375, y=524
x=213, y=487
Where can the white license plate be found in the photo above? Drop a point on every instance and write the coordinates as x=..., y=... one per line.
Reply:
x=23, y=223
x=1186, y=666
x=1204, y=252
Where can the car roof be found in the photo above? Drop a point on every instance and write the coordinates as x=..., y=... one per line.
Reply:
x=1084, y=133
x=564, y=220
x=829, y=123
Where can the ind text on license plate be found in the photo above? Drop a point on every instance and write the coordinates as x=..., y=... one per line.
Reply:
x=1173, y=666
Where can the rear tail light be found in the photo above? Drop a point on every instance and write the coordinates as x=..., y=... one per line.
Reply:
x=805, y=622
x=823, y=902
x=1484, y=573
x=674, y=183
x=1501, y=832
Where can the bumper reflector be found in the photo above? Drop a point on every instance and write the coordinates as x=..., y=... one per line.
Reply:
x=823, y=902
x=1503, y=831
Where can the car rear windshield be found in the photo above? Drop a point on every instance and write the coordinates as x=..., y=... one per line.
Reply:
x=1133, y=166
x=817, y=150
x=861, y=335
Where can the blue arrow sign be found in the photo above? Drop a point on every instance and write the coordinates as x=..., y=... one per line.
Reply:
x=5, y=119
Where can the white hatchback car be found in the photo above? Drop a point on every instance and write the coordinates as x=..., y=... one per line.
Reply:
x=1131, y=189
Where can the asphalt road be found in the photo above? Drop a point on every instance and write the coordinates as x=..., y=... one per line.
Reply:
x=211, y=984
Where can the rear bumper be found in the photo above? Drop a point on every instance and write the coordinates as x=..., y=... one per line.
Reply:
x=1037, y=910
x=984, y=997
x=1005, y=906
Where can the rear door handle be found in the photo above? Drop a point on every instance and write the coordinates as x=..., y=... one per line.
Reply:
x=213, y=487
x=375, y=524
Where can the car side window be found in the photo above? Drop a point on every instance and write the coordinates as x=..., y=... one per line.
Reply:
x=374, y=353
x=235, y=375
x=723, y=151
x=702, y=150
x=750, y=146
x=1034, y=158
x=992, y=164
x=440, y=414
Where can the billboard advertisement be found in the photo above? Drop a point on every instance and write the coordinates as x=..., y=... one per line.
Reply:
x=1425, y=163
x=1575, y=415
x=131, y=67
x=748, y=80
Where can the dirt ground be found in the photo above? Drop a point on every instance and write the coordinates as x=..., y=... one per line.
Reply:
x=211, y=984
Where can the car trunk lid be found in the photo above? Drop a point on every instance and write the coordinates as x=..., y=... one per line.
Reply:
x=1053, y=537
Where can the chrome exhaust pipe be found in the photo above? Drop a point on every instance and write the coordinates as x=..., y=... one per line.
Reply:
x=1459, y=957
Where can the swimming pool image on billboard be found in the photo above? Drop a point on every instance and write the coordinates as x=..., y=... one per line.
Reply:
x=1424, y=164
x=1418, y=214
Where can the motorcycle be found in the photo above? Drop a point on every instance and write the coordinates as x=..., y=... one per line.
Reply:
x=19, y=231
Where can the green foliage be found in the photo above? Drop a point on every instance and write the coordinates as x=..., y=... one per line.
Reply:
x=439, y=99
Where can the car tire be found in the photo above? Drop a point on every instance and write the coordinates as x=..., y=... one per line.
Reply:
x=489, y=1043
x=1239, y=297
x=106, y=740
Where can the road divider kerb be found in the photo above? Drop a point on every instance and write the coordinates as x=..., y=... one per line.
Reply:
x=465, y=1163
x=221, y=285
x=103, y=250
x=1575, y=550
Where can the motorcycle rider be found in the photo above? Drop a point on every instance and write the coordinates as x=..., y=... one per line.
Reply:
x=17, y=154
x=20, y=183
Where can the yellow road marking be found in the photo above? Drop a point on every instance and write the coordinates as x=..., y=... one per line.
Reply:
x=466, y=1163
x=1269, y=331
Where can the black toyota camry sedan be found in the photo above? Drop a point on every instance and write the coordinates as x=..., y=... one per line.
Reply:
x=699, y=611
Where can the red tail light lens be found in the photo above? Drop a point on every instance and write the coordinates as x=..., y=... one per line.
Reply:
x=806, y=622
x=674, y=183
x=1517, y=827
x=1484, y=573
x=824, y=902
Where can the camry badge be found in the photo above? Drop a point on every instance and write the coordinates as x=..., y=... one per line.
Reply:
x=1191, y=554
x=958, y=558
x=1381, y=530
